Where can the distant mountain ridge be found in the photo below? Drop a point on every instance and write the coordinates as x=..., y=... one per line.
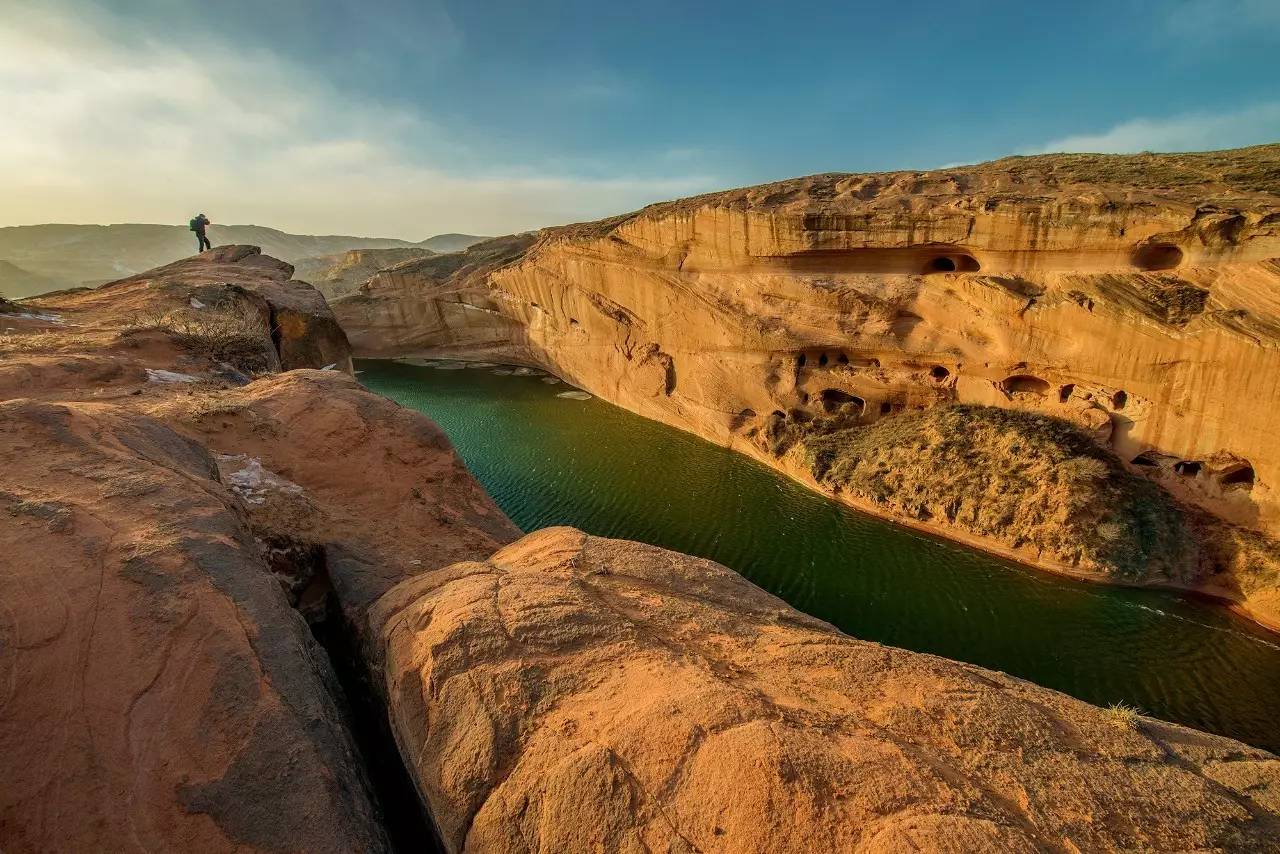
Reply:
x=46, y=257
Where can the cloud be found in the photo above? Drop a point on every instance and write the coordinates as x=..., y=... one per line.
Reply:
x=98, y=130
x=1204, y=21
x=1200, y=131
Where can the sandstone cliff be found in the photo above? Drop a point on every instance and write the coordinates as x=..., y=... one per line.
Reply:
x=1136, y=297
x=221, y=582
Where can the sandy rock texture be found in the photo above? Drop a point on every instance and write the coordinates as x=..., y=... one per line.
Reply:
x=574, y=693
x=1135, y=296
x=171, y=529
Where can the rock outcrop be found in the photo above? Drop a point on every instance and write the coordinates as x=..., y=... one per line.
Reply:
x=579, y=694
x=1136, y=297
x=237, y=601
x=170, y=529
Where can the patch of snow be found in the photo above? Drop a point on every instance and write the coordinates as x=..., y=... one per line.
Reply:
x=250, y=481
x=551, y=381
x=47, y=317
x=195, y=303
x=329, y=367
x=574, y=395
x=156, y=376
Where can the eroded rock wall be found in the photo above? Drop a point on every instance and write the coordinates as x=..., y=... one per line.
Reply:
x=1138, y=297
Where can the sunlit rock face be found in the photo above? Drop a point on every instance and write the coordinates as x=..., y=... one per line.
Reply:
x=1136, y=296
x=573, y=693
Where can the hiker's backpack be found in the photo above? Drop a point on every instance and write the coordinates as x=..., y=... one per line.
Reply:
x=194, y=226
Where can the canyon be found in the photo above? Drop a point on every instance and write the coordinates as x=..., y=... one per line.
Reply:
x=219, y=548
x=1122, y=311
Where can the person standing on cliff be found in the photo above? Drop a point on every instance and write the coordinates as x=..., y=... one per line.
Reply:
x=198, y=225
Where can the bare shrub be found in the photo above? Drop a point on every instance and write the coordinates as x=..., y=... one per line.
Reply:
x=230, y=331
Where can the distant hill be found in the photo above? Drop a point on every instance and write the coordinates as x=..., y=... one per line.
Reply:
x=451, y=242
x=340, y=274
x=63, y=256
x=16, y=282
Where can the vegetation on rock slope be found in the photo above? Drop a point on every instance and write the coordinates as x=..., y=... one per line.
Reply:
x=1024, y=479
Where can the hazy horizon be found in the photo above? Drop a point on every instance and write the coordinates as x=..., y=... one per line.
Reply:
x=407, y=119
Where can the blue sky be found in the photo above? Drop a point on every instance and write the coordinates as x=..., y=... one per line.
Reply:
x=407, y=118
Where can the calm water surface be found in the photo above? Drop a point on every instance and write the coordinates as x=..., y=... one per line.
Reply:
x=548, y=460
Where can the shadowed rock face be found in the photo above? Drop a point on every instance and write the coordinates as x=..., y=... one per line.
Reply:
x=579, y=694
x=1137, y=297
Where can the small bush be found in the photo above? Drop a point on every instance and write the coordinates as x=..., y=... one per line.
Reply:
x=1123, y=716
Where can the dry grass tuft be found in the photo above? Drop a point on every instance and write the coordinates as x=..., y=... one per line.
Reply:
x=230, y=332
x=1123, y=716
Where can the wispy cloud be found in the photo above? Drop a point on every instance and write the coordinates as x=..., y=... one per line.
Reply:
x=1200, y=131
x=1202, y=21
x=101, y=131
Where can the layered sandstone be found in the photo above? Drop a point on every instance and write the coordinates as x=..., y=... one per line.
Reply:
x=579, y=694
x=1137, y=297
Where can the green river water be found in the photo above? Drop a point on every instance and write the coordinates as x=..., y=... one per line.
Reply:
x=548, y=460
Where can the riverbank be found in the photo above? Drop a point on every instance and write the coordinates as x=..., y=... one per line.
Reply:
x=793, y=465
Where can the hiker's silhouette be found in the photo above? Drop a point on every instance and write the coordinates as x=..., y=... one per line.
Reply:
x=198, y=225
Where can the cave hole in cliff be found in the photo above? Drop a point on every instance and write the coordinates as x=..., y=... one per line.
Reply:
x=842, y=359
x=1146, y=460
x=799, y=416
x=823, y=360
x=939, y=373
x=1157, y=256
x=801, y=360
x=1065, y=392
x=1025, y=384
x=742, y=419
x=1188, y=468
x=833, y=399
x=302, y=570
x=1119, y=399
x=1238, y=476
x=957, y=263
x=885, y=407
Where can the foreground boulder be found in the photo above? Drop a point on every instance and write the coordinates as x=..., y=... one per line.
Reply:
x=573, y=693
x=159, y=692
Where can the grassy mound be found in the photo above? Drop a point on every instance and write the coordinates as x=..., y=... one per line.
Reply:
x=1020, y=478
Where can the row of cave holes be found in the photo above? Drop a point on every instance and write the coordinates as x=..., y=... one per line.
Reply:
x=1237, y=476
x=1153, y=256
x=1027, y=384
x=938, y=372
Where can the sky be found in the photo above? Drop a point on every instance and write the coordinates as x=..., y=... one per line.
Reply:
x=407, y=118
